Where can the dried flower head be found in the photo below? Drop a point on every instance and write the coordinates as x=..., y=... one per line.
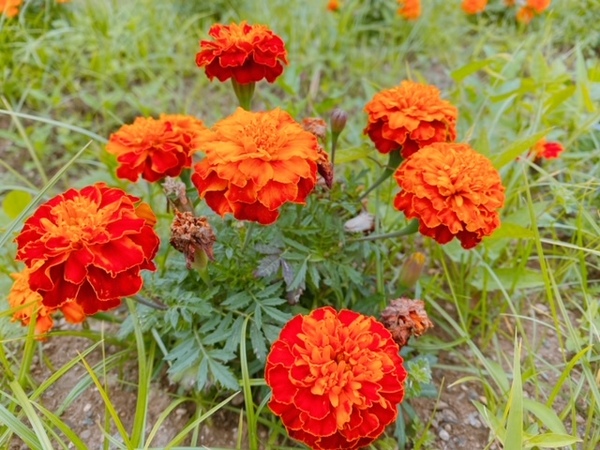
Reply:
x=547, y=150
x=92, y=244
x=336, y=379
x=453, y=191
x=474, y=6
x=192, y=236
x=409, y=117
x=363, y=223
x=10, y=8
x=405, y=318
x=316, y=126
x=325, y=168
x=246, y=53
x=255, y=162
x=156, y=148
x=409, y=9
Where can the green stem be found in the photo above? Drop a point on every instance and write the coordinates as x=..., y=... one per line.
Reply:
x=249, y=230
x=394, y=161
x=334, y=139
x=244, y=93
x=411, y=228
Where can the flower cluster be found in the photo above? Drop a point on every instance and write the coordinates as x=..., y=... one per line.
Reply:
x=409, y=116
x=255, y=162
x=10, y=8
x=155, y=148
x=87, y=247
x=336, y=378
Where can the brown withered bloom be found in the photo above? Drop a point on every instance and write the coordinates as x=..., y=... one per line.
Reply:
x=194, y=237
x=324, y=167
x=316, y=126
x=405, y=318
x=175, y=191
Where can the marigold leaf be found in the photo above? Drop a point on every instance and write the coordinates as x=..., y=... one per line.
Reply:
x=222, y=374
x=258, y=342
x=276, y=314
x=267, y=266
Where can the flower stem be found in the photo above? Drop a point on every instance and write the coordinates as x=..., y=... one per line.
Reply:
x=393, y=162
x=411, y=228
x=244, y=93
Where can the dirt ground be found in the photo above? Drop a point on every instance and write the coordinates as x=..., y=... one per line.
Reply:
x=452, y=418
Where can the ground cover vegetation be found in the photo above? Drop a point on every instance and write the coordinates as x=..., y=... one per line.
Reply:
x=300, y=216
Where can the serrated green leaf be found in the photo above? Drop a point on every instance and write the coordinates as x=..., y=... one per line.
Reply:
x=15, y=202
x=276, y=314
x=299, y=278
x=222, y=374
x=267, y=266
x=258, y=342
x=238, y=301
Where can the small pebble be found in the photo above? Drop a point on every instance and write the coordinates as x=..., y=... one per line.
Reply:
x=473, y=420
x=87, y=407
x=444, y=435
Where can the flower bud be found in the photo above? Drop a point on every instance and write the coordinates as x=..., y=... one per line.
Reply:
x=339, y=117
x=411, y=269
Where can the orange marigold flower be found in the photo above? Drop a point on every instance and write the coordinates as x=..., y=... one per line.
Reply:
x=409, y=9
x=156, y=148
x=474, y=6
x=538, y=6
x=10, y=8
x=409, y=117
x=453, y=191
x=246, y=53
x=525, y=15
x=29, y=304
x=255, y=162
x=336, y=378
x=333, y=5
x=509, y=2
x=547, y=150
x=92, y=244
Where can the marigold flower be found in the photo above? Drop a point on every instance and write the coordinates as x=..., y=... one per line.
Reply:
x=10, y=8
x=408, y=117
x=539, y=6
x=547, y=150
x=29, y=304
x=333, y=5
x=409, y=9
x=474, y=6
x=246, y=53
x=156, y=148
x=255, y=162
x=525, y=15
x=509, y=3
x=92, y=244
x=453, y=191
x=336, y=378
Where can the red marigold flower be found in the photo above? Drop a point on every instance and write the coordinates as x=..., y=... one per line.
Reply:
x=246, y=53
x=156, y=148
x=547, y=150
x=10, y=8
x=336, y=378
x=29, y=304
x=92, y=244
x=539, y=6
x=453, y=191
x=474, y=6
x=409, y=9
x=255, y=162
x=409, y=117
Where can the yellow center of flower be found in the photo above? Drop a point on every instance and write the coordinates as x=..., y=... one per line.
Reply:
x=341, y=359
x=78, y=220
x=262, y=140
